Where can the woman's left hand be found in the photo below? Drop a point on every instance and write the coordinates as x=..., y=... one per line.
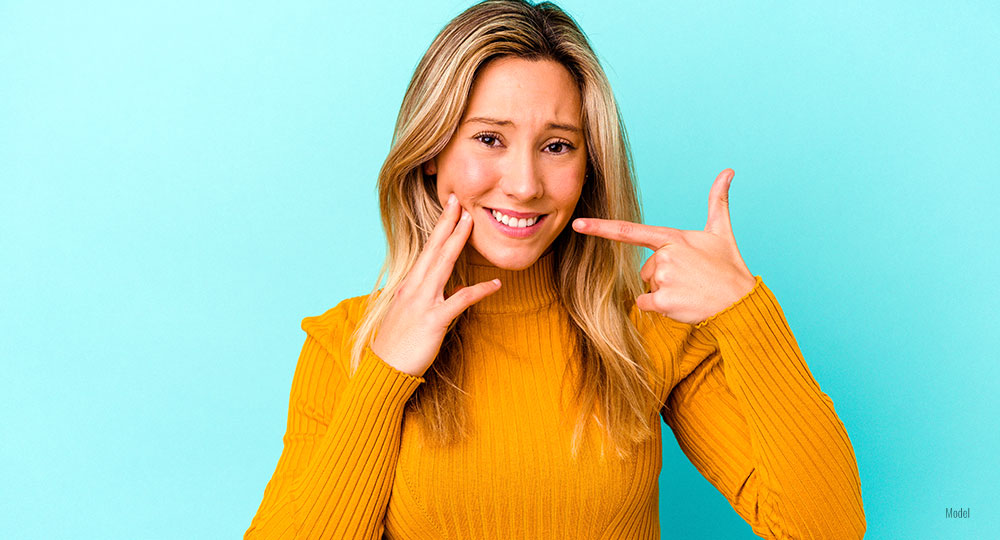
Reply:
x=692, y=275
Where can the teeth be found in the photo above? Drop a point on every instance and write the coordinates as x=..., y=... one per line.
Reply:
x=514, y=222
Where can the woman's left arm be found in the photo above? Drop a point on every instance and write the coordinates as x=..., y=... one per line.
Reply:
x=746, y=410
x=754, y=421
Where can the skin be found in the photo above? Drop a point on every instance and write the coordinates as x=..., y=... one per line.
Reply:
x=692, y=275
x=516, y=148
x=519, y=147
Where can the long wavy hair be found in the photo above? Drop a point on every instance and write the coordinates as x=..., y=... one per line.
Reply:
x=597, y=279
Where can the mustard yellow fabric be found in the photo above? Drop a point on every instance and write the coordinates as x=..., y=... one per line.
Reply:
x=739, y=397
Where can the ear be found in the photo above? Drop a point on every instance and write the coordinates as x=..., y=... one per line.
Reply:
x=430, y=167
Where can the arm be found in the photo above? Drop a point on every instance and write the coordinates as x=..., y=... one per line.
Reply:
x=335, y=473
x=753, y=420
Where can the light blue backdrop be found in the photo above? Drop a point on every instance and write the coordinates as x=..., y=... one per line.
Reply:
x=183, y=182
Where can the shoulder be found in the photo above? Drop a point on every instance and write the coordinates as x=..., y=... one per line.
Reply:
x=333, y=329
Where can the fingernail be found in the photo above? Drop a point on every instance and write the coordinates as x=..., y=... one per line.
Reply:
x=451, y=199
x=465, y=214
x=579, y=225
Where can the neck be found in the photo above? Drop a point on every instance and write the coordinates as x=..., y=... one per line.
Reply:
x=520, y=290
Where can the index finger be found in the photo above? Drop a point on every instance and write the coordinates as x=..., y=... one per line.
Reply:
x=626, y=231
x=447, y=222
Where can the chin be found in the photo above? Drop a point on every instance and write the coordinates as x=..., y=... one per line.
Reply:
x=511, y=259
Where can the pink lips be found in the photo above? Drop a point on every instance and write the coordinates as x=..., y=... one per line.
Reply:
x=518, y=215
x=515, y=232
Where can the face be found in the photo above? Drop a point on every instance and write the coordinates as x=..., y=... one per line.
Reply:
x=519, y=155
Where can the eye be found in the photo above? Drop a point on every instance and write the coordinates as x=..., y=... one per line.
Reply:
x=488, y=138
x=559, y=147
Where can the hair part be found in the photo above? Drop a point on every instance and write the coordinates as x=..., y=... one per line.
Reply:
x=597, y=279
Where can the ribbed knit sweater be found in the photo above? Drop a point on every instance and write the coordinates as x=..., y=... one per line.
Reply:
x=739, y=398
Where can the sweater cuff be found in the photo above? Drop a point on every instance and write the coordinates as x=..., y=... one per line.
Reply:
x=380, y=381
x=744, y=312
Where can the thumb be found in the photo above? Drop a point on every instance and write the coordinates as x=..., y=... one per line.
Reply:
x=718, y=205
x=464, y=297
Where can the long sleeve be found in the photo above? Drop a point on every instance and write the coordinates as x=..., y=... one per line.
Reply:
x=752, y=419
x=334, y=476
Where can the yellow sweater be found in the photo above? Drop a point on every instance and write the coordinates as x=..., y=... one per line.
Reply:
x=742, y=404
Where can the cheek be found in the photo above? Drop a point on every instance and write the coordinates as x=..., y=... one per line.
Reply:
x=566, y=191
x=467, y=177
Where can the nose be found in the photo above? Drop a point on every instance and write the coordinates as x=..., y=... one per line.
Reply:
x=522, y=179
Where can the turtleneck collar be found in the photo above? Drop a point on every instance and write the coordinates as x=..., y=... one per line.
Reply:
x=520, y=290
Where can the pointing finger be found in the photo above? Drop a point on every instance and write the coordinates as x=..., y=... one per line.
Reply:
x=625, y=231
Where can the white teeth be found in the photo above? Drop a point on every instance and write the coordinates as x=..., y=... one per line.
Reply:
x=514, y=222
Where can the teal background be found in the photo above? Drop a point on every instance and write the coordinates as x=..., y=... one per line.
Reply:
x=183, y=182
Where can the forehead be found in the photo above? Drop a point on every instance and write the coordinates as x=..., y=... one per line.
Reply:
x=525, y=92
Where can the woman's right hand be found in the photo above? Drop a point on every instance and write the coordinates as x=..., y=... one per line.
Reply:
x=410, y=335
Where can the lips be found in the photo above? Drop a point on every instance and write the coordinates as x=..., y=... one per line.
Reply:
x=512, y=213
x=516, y=232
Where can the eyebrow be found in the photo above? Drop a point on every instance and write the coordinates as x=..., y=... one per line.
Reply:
x=495, y=122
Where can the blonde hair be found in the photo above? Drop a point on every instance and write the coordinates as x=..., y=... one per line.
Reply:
x=597, y=279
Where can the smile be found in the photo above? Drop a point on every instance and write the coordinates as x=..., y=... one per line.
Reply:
x=512, y=221
x=516, y=226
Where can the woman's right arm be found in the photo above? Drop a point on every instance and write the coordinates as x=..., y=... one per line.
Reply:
x=334, y=476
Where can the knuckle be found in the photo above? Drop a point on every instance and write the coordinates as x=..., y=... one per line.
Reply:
x=441, y=228
x=462, y=295
x=460, y=298
x=403, y=291
x=662, y=303
x=438, y=315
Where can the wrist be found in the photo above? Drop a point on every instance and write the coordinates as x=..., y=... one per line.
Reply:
x=395, y=364
x=754, y=280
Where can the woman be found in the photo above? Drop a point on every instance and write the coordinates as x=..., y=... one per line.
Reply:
x=474, y=395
